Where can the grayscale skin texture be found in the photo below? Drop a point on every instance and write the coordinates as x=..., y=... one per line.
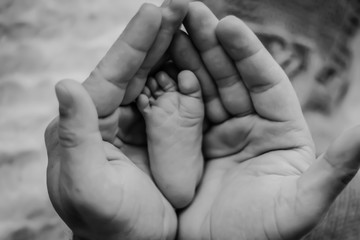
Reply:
x=318, y=67
x=261, y=179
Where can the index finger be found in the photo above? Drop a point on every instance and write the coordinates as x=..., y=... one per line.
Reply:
x=108, y=81
x=201, y=25
x=271, y=92
x=173, y=13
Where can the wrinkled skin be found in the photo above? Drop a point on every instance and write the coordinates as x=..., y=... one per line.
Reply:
x=261, y=179
x=98, y=174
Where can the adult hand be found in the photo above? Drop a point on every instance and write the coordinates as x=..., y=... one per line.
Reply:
x=98, y=177
x=261, y=180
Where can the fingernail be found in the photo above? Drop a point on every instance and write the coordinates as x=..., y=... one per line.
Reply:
x=64, y=97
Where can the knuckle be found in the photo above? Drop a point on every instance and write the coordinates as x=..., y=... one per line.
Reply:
x=68, y=138
x=50, y=134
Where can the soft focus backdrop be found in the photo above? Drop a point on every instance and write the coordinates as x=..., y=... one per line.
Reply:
x=41, y=42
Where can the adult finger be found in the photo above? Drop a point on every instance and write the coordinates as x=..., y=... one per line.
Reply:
x=109, y=126
x=271, y=92
x=329, y=175
x=201, y=24
x=173, y=13
x=186, y=57
x=109, y=80
x=80, y=141
x=131, y=126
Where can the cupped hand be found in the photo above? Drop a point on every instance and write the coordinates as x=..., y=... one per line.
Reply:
x=98, y=173
x=261, y=179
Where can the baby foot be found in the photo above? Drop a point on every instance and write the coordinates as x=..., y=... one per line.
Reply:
x=173, y=114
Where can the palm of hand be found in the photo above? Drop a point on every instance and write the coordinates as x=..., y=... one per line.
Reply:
x=256, y=182
x=118, y=198
x=251, y=187
x=140, y=210
x=143, y=206
x=266, y=203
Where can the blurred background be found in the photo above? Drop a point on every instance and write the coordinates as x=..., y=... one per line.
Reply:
x=44, y=41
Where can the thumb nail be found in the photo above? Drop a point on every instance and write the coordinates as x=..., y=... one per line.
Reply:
x=64, y=97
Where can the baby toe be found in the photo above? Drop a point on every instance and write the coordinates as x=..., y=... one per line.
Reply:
x=146, y=91
x=143, y=103
x=166, y=82
x=152, y=84
x=154, y=87
x=189, y=84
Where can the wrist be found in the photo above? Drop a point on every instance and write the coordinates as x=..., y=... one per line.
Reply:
x=343, y=216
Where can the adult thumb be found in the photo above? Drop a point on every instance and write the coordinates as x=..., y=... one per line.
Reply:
x=332, y=171
x=78, y=129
